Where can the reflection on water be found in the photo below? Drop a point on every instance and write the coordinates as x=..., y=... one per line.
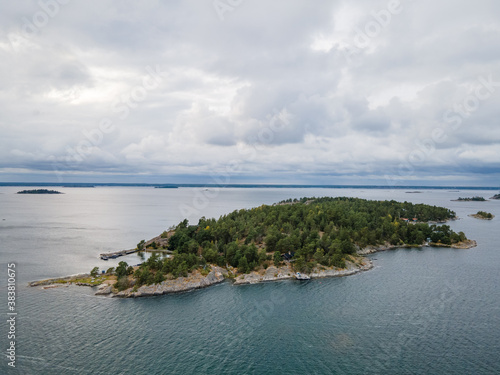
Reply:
x=417, y=312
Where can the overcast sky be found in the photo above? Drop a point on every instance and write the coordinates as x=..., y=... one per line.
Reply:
x=288, y=91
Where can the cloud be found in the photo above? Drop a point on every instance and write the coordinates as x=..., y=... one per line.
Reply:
x=284, y=89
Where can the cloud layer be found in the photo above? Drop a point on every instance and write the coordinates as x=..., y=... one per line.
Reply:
x=281, y=91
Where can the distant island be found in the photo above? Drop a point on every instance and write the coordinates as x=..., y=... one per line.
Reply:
x=79, y=186
x=483, y=215
x=39, y=191
x=318, y=237
x=472, y=199
x=496, y=196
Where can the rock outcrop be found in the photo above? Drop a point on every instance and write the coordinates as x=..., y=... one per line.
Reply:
x=285, y=272
x=182, y=284
x=467, y=244
x=272, y=273
x=104, y=290
x=58, y=280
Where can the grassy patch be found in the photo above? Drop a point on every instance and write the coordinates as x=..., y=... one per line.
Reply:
x=94, y=281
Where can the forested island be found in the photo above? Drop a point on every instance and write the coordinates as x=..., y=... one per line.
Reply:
x=483, y=215
x=496, y=196
x=39, y=191
x=470, y=199
x=316, y=236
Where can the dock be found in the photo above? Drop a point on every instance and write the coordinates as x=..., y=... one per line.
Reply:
x=116, y=254
x=299, y=276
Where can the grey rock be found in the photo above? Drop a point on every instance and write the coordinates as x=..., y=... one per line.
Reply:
x=181, y=284
x=103, y=290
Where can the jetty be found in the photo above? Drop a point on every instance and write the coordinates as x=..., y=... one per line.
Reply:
x=116, y=254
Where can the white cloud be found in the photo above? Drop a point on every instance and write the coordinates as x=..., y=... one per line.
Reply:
x=271, y=87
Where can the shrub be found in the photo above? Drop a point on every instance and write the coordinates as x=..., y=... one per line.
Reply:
x=94, y=272
x=122, y=283
x=140, y=245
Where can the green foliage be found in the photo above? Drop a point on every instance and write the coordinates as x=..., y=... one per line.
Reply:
x=243, y=265
x=121, y=270
x=110, y=270
x=317, y=230
x=94, y=272
x=485, y=215
x=122, y=283
x=140, y=245
x=277, y=258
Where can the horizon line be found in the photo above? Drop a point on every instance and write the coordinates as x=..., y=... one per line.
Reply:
x=242, y=185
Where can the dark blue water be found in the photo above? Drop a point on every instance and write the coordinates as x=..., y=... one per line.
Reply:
x=428, y=311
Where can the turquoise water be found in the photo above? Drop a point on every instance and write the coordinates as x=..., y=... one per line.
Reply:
x=419, y=311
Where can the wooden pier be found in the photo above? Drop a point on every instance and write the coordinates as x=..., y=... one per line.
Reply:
x=116, y=254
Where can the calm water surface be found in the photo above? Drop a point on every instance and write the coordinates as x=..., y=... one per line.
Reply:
x=419, y=311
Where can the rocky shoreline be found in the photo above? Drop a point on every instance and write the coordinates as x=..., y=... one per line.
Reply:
x=58, y=281
x=196, y=280
x=467, y=244
x=476, y=216
x=285, y=272
x=182, y=284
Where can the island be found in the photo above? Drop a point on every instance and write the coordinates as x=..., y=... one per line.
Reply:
x=470, y=199
x=496, y=196
x=483, y=215
x=316, y=237
x=39, y=191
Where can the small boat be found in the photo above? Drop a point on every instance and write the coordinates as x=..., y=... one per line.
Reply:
x=299, y=276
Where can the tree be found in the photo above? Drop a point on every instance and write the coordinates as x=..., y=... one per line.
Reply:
x=243, y=265
x=299, y=265
x=159, y=277
x=122, y=283
x=121, y=270
x=277, y=258
x=262, y=256
x=94, y=272
x=140, y=245
x=320, y=230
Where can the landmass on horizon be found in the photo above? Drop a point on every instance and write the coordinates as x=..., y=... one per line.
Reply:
x=470, y=199
x=39, y=191
x=246, y=185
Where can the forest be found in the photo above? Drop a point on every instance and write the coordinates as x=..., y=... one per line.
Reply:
x=306, y=231
x=39, y=191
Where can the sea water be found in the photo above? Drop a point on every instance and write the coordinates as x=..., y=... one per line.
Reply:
x=418, y=311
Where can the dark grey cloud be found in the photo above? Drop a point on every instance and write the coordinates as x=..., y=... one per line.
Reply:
x=280, y=88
